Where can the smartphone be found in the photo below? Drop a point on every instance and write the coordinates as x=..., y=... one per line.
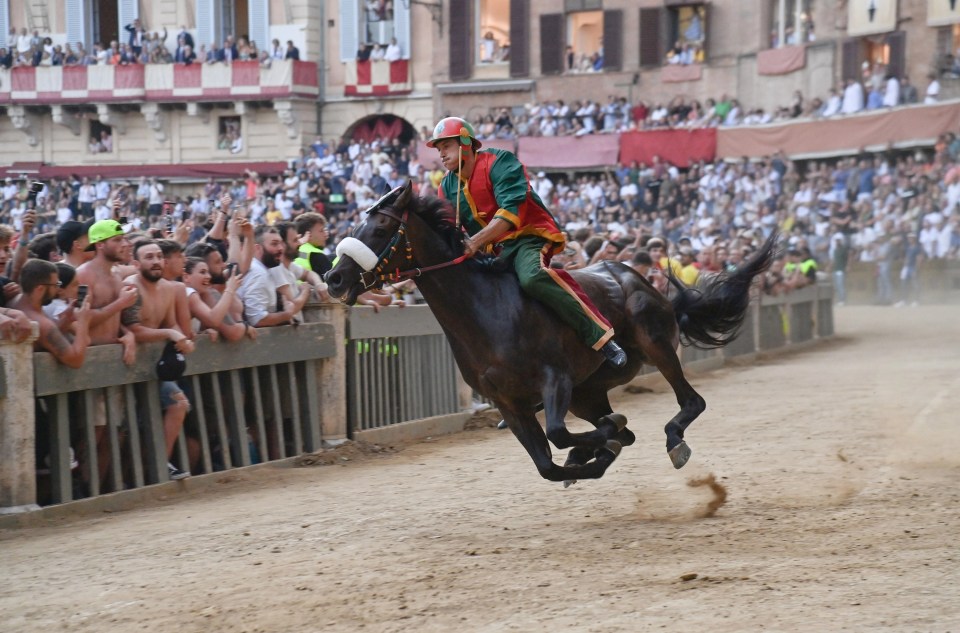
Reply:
x=81, y=294
x=168, y=222
x=35, y=188
x=231, y=268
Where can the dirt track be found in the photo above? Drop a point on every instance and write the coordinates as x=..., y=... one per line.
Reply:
x=842, y=466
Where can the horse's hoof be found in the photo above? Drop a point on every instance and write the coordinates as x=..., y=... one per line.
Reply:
x=612, y=446
x=618, y=419
x=626, y=437
x=568, y=482
x=502, y=424
x=679, y=455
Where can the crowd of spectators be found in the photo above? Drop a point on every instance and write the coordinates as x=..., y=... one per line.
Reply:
x=136, y=45
x=239, y=255
x=876, y=90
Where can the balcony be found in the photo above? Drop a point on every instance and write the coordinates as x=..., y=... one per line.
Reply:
x=158, y=83
x=377, y=78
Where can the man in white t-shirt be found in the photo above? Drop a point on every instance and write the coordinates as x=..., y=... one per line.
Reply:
x=10, y=190
x=393, y=52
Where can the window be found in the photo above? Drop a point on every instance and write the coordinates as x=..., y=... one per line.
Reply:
x=365, y=24
x=791, y=22
x=584, y=52
x=688, y=34
x=493, y=25
x=101, y=138
x=229, y=136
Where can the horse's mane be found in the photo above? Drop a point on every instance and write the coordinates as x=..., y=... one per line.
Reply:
x=439, y=215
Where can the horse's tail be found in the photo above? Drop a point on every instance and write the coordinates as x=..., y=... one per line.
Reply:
x=710, y=314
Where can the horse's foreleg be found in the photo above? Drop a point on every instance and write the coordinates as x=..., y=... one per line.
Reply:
x=691, y=403
x=527, y=430
x=556, y=403
x=591, y=403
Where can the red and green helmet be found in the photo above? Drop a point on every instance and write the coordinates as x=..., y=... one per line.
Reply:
x=454, y=127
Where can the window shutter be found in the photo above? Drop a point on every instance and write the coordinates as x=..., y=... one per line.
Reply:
x=76, y=23
x=651, y=41
x=401, y=27
x=127, y=12
x=4, y=22
x=850, y=60
x=897, y=41
x=349, y=29
x=707, y=21
x=551, y=44
x=207, y=22
x=519, y=38
x=258, y=20
x=461, y=47
x=613, y=40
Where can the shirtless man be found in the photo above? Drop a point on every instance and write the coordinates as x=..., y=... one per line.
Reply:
x=108, y=298
x=154, y=318
x=39, y=281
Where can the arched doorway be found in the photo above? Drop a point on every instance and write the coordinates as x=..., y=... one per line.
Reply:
x=382, y=127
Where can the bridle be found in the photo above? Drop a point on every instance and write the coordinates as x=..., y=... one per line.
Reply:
x=375, y=274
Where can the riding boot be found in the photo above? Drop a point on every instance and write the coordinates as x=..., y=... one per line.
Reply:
x=614, y=354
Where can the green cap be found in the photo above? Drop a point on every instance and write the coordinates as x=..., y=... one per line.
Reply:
x=103, y=230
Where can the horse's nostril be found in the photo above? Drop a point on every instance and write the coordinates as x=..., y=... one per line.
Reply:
x=332, y=278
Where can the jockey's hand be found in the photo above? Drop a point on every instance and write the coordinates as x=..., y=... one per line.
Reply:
x=470, y=247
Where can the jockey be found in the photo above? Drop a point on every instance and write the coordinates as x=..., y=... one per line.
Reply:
x=498, y=207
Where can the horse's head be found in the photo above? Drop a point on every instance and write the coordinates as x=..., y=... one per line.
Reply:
x=371, y=248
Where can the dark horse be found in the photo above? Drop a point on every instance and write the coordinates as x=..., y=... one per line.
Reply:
x=513, y=350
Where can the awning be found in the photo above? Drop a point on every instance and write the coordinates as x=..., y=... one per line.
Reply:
x=467, y=87
x=42, y=171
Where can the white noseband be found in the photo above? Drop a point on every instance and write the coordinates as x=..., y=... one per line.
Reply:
x=358, y=252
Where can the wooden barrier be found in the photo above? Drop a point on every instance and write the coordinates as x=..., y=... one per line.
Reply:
x=346, y=372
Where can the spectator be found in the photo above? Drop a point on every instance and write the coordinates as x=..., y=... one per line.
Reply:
x=137, y=36
x=277, y=51
x=211, y=310
x=153, y=318
x=259, y=290
x=312, y=233
x=852, y=97
x=292, y=51
x=40, y=282
x=932, y=94
x=393, y=52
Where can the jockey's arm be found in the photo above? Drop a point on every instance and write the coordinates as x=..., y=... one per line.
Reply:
x=490, y=233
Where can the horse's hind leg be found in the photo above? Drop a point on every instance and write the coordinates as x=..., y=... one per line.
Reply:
x=662, y=354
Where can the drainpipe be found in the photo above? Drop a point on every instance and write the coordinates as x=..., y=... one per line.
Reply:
x=322, y=67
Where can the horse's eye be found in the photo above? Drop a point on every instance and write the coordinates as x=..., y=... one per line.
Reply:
x=379, y=233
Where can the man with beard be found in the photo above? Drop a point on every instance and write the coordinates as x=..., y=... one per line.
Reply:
x=154, y=318
x=290, y=271
x=39, y=282
x=259, y=289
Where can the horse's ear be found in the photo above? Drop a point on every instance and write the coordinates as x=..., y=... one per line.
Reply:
x=406, y=196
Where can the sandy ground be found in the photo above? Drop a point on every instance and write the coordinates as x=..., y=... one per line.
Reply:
x=841, y=464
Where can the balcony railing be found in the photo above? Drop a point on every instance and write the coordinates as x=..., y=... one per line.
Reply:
x=377, y=78
x=239, y=81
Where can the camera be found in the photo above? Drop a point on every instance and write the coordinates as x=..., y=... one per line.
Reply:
x=82, y=294
x=35, y=188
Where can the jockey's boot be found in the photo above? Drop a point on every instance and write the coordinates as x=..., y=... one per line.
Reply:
x=614, y=354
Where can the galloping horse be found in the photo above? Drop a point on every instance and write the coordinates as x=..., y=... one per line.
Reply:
x=513, y=350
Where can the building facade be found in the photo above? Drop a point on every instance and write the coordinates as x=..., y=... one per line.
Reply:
x=392, y=67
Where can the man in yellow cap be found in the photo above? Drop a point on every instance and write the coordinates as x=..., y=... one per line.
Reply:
x=498, y=207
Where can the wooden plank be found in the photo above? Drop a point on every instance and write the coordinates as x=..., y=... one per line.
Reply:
x=294, y=408
x=220, y=422
x=60, y=477
x=114, y=410
x=87, y=419
x=133, y=426
x=258, y=409
x=289, y=343
x=410, y=321
x=154, y=442
x=312, y=432
x=238, y=420
x=206, y=461
x=277, y=430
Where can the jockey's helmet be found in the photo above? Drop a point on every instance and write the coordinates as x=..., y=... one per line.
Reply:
x=454, y=127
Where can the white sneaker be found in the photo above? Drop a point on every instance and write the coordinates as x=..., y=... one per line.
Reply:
x=175, y=473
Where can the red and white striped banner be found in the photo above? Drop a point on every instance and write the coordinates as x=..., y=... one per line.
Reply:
x=377, y=78
x=156, y=82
